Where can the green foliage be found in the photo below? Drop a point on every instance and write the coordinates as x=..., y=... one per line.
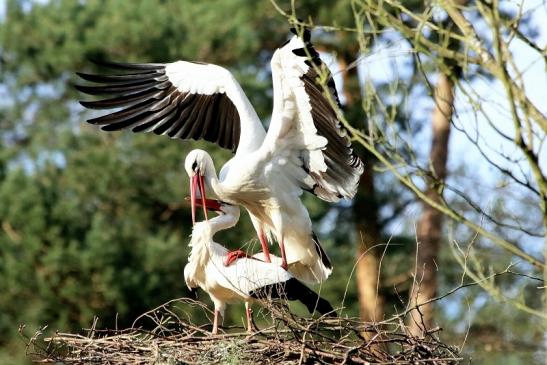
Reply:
x=94, y=224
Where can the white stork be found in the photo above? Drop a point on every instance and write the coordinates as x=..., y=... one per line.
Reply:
x=246, y=279
x=305, y=148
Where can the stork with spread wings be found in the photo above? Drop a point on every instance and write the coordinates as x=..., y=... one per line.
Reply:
x=304, y=149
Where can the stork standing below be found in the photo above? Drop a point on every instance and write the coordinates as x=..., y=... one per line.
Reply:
x=305, y=147
x=247, y=278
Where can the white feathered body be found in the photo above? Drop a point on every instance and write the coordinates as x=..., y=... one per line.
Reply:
x=226, y=284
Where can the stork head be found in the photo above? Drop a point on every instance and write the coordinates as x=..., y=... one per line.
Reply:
x=196, y=165
x=196, y=161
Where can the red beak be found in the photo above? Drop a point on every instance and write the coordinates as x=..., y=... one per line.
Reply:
x=211, y=204
x=197, y=182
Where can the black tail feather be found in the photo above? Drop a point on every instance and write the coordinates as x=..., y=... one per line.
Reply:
x=293, y=289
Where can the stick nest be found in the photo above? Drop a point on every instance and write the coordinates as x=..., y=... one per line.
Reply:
x=167, y=335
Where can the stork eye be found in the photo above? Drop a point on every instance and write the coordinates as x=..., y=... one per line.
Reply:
x=194, y=166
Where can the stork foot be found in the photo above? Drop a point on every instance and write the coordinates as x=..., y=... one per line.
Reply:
x=232, y=256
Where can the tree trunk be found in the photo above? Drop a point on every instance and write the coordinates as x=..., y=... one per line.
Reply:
x=365, y=209
x=368, y=258
x=429, y=230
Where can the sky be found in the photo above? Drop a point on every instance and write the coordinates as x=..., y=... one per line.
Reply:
x=378, y=66
x=485, y=180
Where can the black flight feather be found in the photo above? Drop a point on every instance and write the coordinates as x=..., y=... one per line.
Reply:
x=151, y=103
x=343, y=166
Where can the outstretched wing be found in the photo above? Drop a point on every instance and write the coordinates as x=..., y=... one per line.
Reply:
x=305, y=121
x=186, y=100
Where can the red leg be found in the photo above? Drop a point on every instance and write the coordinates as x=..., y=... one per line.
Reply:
x=283, y=255
x=215, y=323
x=248, y=312
x=233, y=256
x=264, y=244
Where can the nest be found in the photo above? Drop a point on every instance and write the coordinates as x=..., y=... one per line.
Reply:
x=166, y=335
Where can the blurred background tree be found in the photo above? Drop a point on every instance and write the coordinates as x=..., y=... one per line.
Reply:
x=94, y=224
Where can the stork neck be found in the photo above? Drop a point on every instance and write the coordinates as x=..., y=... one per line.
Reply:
x=203, y=232
x=222, y=222
x=211, y=177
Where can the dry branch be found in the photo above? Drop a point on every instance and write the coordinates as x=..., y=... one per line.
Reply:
x=167, y=335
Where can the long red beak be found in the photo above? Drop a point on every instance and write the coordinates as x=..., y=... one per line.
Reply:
x=211, y=204
x=197, y=182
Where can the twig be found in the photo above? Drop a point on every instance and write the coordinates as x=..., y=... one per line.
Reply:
x=290, y=340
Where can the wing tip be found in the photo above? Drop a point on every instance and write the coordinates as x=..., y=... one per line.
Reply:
x=84, y=75
x=325, y=259
x=89, y=104
x=301, y=30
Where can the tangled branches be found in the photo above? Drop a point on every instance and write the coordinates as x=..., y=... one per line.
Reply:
x=166, y=335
